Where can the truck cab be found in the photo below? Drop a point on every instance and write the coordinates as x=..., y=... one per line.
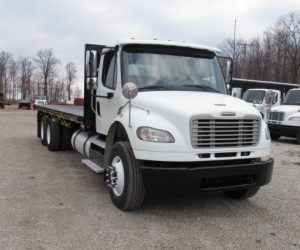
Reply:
x=40, y=100
x=284, y=120
x=258, y=97
x=178, y=121
x=158, y=116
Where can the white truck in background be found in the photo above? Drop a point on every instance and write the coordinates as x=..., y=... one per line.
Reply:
x=284, y=120
x=260, y=99
x=157, y=115
x=40, y=100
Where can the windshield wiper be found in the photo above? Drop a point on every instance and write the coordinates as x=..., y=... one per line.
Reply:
x=155, y=87
x=202, y=87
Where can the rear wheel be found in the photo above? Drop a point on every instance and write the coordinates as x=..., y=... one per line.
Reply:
x=43, y=129
x=53, y=135
x=241, y=194
x=124, y=178
x=39, y=120
x=275, y=136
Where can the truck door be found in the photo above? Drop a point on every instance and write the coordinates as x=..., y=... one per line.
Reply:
x=107, y=101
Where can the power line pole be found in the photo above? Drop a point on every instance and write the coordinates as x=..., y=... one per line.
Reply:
x=234, y=32
x=245, y=45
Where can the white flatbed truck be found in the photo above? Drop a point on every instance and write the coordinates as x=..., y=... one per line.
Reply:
x=157, y=114
x=260, y=97
x=284, y=120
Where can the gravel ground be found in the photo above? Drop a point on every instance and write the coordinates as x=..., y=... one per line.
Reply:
x=51, y=201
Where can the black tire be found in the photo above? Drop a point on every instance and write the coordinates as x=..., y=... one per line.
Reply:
x=133, y=192
x=66, y=135
x=298, y=136
x=242, y=194
x=39, y=120
x=275, y=136
x=53, y=135
x=43, y=130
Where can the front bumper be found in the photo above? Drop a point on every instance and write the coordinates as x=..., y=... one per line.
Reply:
x=283, y=130
x=206, y=176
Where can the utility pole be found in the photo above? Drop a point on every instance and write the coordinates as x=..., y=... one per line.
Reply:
x=234, y=31
x=245, y=45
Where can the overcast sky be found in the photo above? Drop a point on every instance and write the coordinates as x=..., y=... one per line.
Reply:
x=66, y=25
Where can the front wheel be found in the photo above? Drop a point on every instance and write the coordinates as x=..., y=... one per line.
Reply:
x=298, y=136
x=124, y=178
x=274, y=136
x=241, y=194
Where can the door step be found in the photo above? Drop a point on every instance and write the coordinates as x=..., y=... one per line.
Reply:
x=92, y=164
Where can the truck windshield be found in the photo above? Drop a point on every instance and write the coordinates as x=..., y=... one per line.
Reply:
x=40, y=97
x=254, y=96
x=154, y=68
x=292, y=98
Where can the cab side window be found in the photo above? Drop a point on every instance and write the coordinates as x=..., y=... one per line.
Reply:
x=109, y=71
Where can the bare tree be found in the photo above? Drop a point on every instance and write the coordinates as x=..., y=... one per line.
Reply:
x=26, y=71
x=71, y=71
x=287, y=36
x=77, y=92
x=47, y=65
x=13, y=73
x=236, y=52
x=275, y=57
x=5, y=58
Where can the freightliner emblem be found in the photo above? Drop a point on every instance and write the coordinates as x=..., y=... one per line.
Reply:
x=228, y=113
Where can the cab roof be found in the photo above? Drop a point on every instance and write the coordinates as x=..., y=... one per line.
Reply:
x=167, y=43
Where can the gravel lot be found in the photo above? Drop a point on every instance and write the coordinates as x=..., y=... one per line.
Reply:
x=51, y=201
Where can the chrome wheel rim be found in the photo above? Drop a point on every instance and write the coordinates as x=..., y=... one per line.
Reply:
x=118, y=166
x=48, y=135
x=42, y=130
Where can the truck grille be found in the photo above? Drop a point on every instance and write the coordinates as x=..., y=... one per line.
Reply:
x=224, y=133
x=276, y=116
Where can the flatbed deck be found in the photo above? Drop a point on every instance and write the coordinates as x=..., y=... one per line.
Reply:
x=67, y=112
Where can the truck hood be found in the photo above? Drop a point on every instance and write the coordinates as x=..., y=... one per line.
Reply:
x=189, y=103
x=287, y=108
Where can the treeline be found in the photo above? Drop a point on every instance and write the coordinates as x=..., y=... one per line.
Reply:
x=43, y=74
x=273, y=57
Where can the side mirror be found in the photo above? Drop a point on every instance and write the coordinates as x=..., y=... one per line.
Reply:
x=226, y=65
x=270, y=97
x=91, y=63
x=130, y=90
x=228, y=71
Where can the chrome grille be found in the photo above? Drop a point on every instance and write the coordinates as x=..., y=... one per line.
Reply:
x=224, y=133
x=276, y=116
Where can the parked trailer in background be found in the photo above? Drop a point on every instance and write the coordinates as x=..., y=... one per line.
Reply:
x=157, y=115
x=24, y=104
x=244, y=84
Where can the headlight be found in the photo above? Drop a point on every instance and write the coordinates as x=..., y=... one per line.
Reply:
x=267, y=134
x=154, y=135
x=294, y=118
